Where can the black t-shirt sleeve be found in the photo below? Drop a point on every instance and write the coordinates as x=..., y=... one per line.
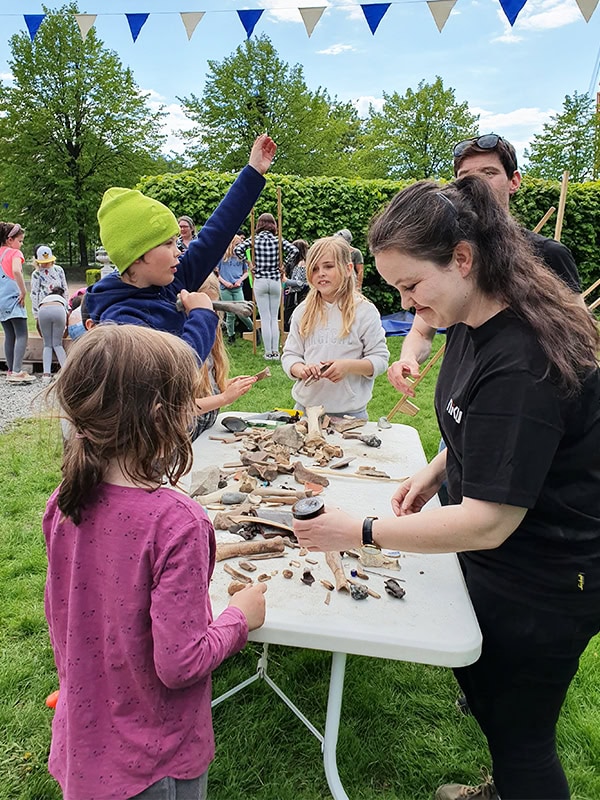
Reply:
x=560, y=260
x=513, y=428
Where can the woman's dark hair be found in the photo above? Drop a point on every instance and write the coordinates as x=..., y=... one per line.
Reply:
x=302, y=247
x=427, y=221
x=266, y=222
x=128, y=391
x=57, y=290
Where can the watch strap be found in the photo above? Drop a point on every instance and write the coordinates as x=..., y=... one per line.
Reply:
x=367, y=532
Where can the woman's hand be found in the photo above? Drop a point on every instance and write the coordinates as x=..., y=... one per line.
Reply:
x=262, y=153
x=236, y=387
x=399, y=372
x=411, y=496
x=332, y=530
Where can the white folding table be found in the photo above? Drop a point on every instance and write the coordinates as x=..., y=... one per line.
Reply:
x=433, y=624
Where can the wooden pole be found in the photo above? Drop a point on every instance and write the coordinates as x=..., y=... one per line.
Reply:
x=279, y=230
x=561, y=205
x=591, y=288
x=253, y=297
x=544, y=219
x=418, y=380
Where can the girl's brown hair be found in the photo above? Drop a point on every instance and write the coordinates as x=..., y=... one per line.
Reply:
x=427, y=221
x=337, y=249
x=232, y=245
x=8, y=230
x=218, y=353
x=128, y=392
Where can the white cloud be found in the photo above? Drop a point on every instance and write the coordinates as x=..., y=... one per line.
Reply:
x=280, y=11
x=335, y=50
x=361, y=104
x=174, y=121
x=519, y=125
x=7, y=76
x=538, y=15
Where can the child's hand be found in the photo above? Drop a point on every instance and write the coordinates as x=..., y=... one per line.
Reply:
x=336, y=370
x=262, y=153
x=310, y=372
x=192, y=300
x=238, y=386
x=251, y=602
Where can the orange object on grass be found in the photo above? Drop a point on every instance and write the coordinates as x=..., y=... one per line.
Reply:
x=52, y=699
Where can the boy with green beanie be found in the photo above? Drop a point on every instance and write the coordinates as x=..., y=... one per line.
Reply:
x=140, y=235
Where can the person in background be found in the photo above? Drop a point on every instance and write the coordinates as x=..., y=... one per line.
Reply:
x=187, y=232
x=518, y=404
x=358, y=262
x=295, y=285
x=75, y=326
x=495, y=159
x=13, y=314
x=336, y=346
x=232, y=271
x=52, y=321
x=216, y=388
x=267, y=274
x=46, y=276
x=129, y=565
x=139, y=235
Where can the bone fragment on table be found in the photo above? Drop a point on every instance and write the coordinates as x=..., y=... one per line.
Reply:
x=236, y=549
x=334, y=561
x=369, y=591
x=313, y=416
x=304, y=475
x=239, y=576
x=247, y=566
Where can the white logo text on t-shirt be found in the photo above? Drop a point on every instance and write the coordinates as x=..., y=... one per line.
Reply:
x=454, y=411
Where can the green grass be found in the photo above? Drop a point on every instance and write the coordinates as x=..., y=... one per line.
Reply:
x=400, y=734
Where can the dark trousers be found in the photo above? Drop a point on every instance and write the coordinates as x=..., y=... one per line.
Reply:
x=517, y=688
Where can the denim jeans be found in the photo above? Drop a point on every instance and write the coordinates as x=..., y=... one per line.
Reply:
x=175, y=789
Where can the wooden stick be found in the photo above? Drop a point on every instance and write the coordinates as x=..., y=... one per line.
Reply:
x=360, y=475
x=404, y=397
x=561, y=205
x=544, y=219
x=590, y=289
x=252, y=254
x=279, y=229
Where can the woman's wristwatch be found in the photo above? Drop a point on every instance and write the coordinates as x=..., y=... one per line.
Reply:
x=367, y=534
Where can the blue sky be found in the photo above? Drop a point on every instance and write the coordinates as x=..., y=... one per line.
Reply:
x=514, y=78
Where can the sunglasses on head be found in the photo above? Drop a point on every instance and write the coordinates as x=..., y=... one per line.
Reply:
x=488, y=141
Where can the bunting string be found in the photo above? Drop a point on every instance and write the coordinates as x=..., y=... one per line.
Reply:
x=310, y=16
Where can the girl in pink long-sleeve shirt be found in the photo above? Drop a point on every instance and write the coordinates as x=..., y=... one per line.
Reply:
x=129, y=566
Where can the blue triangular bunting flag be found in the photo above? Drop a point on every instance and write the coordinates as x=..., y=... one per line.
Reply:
x=249, y=19
x=33, y=22
x=512, y=8
x=374, y=13
x=136, y=23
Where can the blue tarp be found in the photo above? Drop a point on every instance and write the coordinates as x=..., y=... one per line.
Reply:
x=400, y=323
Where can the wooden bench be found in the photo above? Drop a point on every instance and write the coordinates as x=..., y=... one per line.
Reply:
x=33, y=352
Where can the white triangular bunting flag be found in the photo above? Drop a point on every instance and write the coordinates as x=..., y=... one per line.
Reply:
x=190, y=19
x=587, y=8
x=440, y=10
x=310, y=17
x=85, y=22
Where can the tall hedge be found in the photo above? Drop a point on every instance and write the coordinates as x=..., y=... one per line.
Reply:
x=315, y=207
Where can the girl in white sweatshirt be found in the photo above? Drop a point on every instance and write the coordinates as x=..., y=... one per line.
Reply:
x=336, y=345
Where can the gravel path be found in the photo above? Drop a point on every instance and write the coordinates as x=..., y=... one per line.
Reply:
x=18, y=400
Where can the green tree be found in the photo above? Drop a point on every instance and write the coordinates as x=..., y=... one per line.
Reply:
x=570, y=141
x=253, y=90
x=412, y=136
x=72, y=123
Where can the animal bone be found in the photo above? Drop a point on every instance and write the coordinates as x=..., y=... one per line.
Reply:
x=236, y=549
x=235, y=586
x=313, y=415
x=303, y=475
x=239, y=576
x=334, y=561
x=247, y=566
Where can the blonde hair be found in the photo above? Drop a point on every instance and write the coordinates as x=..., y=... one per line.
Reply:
x=232, y=245
x=128, y=391
x=218, y=353
x=347, y=297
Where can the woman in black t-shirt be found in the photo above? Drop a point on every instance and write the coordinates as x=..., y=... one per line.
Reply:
x=518, y=403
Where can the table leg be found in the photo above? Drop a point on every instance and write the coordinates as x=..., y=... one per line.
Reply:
x=332, y=725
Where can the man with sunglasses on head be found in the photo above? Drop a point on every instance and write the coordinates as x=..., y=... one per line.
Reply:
x=494, y=158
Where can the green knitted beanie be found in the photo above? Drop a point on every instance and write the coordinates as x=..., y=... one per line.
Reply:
x=131, y=224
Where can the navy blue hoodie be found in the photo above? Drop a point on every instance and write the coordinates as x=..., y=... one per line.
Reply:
x=113, y=300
